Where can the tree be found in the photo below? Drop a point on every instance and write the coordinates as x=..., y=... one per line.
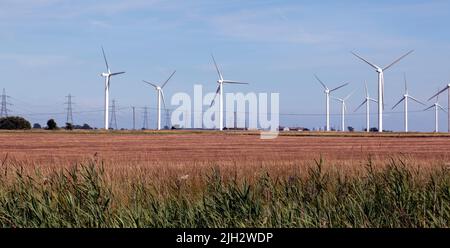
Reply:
x=86, y=126
x=373, y=129
x=69, y=126
x=14, y=122
x=51, y=125
x=350, y=129
x=37, y=126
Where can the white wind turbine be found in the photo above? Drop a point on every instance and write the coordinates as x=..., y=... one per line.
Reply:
x=447, y=87
x=107, y=76
x=436, y=106
x=219, y=91
x=405, y=98
x=327, y=94
x=343, y=109
x=367, y=102
x=380, y=72
x=160, y=93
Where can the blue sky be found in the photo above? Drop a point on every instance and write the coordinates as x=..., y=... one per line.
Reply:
x=51, y=48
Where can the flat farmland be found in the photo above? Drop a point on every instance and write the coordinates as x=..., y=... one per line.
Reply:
x=223, y=179
x=183, y=147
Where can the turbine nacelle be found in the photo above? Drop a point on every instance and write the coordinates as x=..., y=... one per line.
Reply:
x=104, y=74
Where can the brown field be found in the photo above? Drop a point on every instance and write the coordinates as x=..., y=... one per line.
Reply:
x=195, y=149
x=165, y=158
x=183, y=147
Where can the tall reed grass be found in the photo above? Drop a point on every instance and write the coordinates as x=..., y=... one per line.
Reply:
x=84, y=196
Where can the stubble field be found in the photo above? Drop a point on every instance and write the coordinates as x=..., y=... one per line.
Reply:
x=171, y=178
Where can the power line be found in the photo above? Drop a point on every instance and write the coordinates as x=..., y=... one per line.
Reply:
x=4, y=107
x=145, y=124
x=113, y=121
x=134, y=117
x=168, y=124
x=69, y=103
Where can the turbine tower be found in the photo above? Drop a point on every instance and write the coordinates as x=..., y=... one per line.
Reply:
x=436, y=106
x=219, y=92
x=380, y=72
x=405, y=99
x=343, y=109
x=160, y=93
x=107, y=75
x=447, y=87
x=367, y=102
x=327, y=94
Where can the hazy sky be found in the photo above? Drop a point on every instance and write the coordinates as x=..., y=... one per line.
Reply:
x=51, y=48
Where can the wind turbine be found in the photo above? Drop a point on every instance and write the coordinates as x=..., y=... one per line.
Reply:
x=405, y=99
x=219, y=91
x=107, y=75
x=380, y=72
x=344, y=108
x=160, y=93
x=436, y=106
x=447, y=87
x=327, y=94
x=367, y=102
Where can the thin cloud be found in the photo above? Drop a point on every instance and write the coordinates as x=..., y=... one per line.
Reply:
x=29, y=60
x=264, y=25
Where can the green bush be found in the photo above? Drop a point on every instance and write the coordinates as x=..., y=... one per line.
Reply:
x=14, y=122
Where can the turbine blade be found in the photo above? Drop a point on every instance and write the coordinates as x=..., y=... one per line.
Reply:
x=164, y=84
x=339, y=87
x=349, y=95
x=414, y=99
x=217, y=92
x=163, y=100
x=373, y=100
x=106, y=61
x=444, y=89
x=401, y=100
x=367, y=91
x=154, y=85
x=397, y=60
x=117, y=73
x=429, y=107
x=337, y=99
x=320, y=81
x=406, y=86
x=442, y=108
x=233, y=82
x=363, y=59
x=217, y=68
x=362, y=104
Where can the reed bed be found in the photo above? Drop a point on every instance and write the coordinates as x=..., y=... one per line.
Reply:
x=320, y=194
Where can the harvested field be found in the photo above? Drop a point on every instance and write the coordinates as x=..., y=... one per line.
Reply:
x=61, y=147
x=230, y=179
